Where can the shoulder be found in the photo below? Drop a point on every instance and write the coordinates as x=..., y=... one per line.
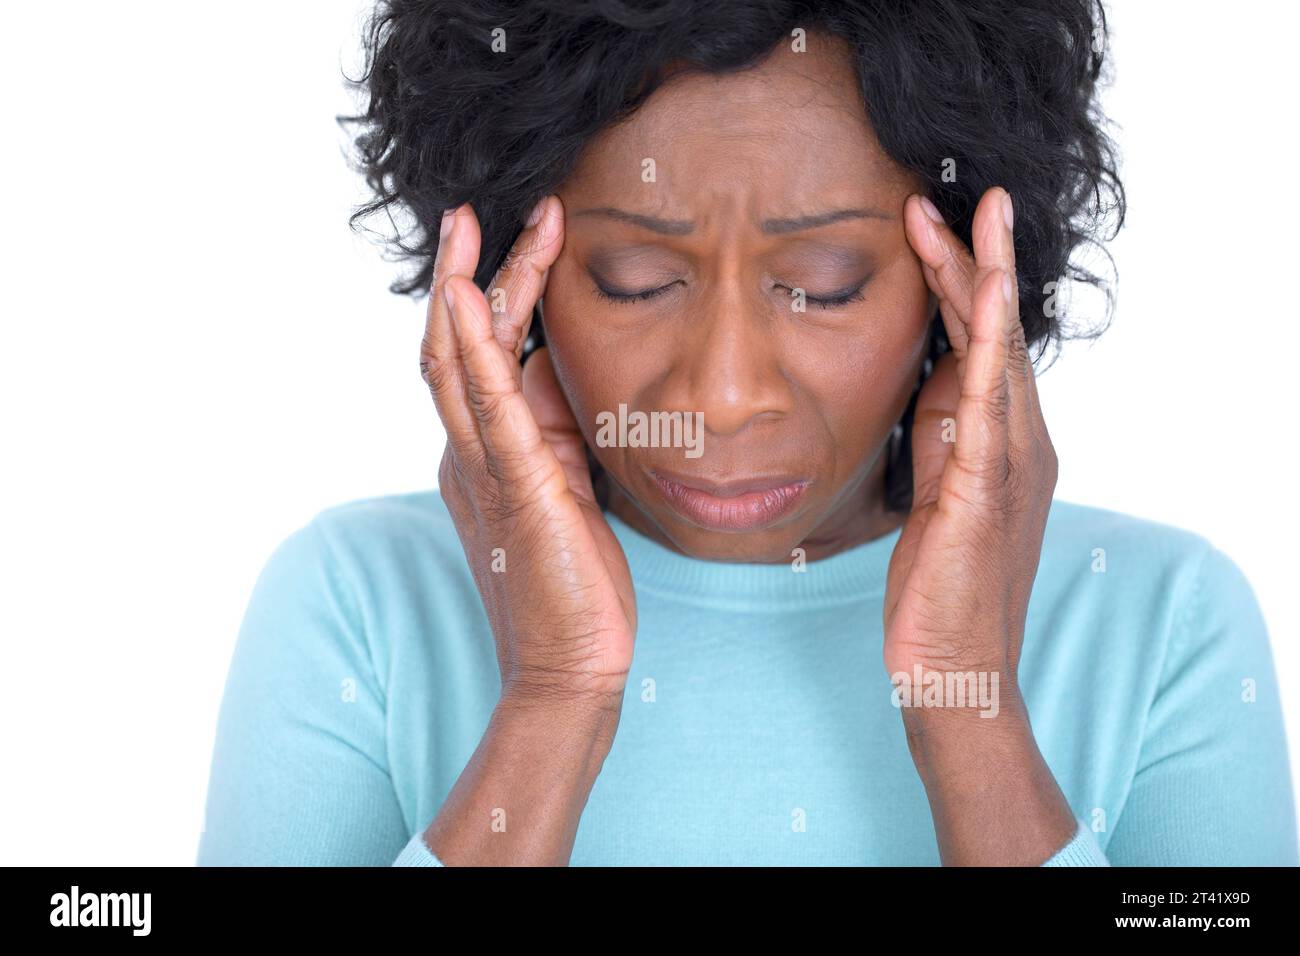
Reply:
x=1073, y=527
x=377, y=589
x=1154, y=693
x=1137, y=559
x=388, y=559
x=1142, y=587
x=399, y=526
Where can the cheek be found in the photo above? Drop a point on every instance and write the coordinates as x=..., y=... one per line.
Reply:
x=592, y=371
x=863, y=377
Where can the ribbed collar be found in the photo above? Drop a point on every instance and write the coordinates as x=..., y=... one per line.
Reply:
x=855, y=574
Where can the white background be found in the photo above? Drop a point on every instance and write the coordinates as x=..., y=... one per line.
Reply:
x=198, y=356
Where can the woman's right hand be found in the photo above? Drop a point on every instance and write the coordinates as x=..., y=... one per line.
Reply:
x=553, y=578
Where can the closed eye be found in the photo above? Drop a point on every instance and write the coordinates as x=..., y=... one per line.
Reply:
x=830, y=301
x=641, y=295
x=834, y=299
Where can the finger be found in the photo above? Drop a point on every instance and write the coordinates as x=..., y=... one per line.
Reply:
x=981, y=449
x=512, y=443
x=947, y=264
x=521, y=280
x=993, y=235
x=558, y=426
x=952, y=273
x=459, y=242
x=440, y=366
x=953, y=270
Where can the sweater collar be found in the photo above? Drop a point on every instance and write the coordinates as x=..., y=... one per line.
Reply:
x=857, y=573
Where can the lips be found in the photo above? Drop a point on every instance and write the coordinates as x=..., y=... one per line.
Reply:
x=747, y=504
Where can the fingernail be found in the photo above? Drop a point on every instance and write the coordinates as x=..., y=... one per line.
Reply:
x=931, y=210
x=1006, y=287
x=535, y=216
x=448, y=218
x=1008, y=210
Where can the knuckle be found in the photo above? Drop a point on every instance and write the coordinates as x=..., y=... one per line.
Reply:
x=454, y=474
x=983, y=484
x=472, y=466
x=1018, y=351
x=436, y=371
x=516, y=261
x=993, y=472
x=490, y=406
x=496, y=503
x=955, y=270
x=1032, y=480
x=1016, y=336
x=448, y=474
x=1018, y=491
x=995, y=402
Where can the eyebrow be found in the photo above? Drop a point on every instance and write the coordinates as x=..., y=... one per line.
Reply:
x=799, y=223
x=682, y=227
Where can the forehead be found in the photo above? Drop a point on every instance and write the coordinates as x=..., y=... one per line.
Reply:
x=789, y=134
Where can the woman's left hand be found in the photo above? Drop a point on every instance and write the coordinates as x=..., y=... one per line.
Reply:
x=960, y=577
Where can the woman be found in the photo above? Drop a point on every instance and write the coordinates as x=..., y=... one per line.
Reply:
x=730, y=318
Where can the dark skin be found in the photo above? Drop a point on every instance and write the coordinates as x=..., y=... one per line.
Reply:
x=785, y=189
x=781, y=391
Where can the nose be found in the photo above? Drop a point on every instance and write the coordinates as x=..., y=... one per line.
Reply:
x=728, y=365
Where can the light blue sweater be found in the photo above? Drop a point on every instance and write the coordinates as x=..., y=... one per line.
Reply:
x=759, y=725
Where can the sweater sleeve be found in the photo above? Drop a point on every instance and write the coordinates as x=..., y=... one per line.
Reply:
x=1212, y=783
x=417, y=853
x=299, y=772
x=1082, y=850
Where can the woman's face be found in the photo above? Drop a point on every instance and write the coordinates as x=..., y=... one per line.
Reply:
x=688, y=230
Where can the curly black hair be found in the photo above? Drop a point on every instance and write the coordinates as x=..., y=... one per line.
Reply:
x=491, y=101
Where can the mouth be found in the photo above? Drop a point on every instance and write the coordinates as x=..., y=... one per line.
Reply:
x=748, y=504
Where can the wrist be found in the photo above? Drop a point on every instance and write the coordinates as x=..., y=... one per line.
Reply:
x=577, y=730
x=583, y=697
x=950, y=741
x=993, y=797
x=519, y=799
